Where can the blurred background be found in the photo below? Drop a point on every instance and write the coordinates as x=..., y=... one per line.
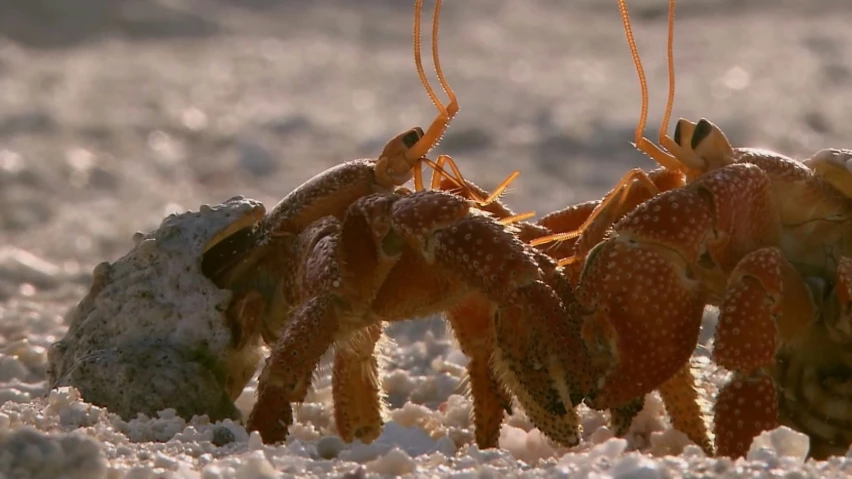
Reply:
x=114, y=113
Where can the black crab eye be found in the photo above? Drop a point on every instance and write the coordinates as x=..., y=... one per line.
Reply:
x=412, y=137
x=702, y=129
x=677, y=134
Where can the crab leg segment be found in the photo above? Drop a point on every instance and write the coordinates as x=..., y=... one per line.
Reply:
x=681, y=400
x=744, y=408
x=471, y=323
x=844, y=297
x=543, y=361
x=751, y=326
x=356, y=387
x=286, y=377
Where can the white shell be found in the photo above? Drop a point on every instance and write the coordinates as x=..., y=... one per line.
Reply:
x=151, y=333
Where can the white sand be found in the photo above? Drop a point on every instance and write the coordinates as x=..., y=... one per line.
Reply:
x=115, y=113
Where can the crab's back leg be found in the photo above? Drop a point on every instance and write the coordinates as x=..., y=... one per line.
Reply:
x=633, y=189
x=566, y=220
x=356, y=386
x=766, y=304
x=471, y=322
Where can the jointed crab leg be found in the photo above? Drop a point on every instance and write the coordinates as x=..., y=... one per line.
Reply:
x=356, y=386
x=471, y=322
x=681, y=401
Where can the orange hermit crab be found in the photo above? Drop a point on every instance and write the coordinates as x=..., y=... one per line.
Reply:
x=765, y=238
x=351, y=249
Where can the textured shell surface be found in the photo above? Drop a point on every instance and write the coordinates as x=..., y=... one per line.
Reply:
x=155, y=304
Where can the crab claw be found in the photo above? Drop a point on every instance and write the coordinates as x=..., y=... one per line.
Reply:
x=538, y=354
x=643, y=311
x=543, y=361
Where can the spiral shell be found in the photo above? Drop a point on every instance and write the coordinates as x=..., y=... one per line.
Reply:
x=151, y=333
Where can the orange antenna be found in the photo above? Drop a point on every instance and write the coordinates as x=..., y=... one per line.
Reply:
x=445, y=113
x=404, y=155
x=664, y=125
x=664, y=158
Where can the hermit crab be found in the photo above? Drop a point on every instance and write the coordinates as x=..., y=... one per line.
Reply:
x=760, y=235
x=348, y=251
x=351, y=249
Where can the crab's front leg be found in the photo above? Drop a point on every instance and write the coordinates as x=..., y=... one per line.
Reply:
x=766, y=304
x=340, y=267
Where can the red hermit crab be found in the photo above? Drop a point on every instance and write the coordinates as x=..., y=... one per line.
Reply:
x=765, y=238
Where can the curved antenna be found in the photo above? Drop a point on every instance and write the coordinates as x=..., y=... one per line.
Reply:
x=445, y=113
x=453, y=106
x=664, y=125
x=404, y=155
x=643, y=144
x=401, y=157
x=638, y=135
x=418, y=59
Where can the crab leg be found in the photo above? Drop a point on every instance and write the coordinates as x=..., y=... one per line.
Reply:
x=543, y=361
x=681, y=400
x=577, y=229
x=471, y=323
x=762, y=287
x=286, y=377
x=331, y=305
x=566, y=220
x=356, y=387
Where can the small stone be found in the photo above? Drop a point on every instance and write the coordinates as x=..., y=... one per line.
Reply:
x=610, y=449
x=328, y=447
x=779, y=442
x=395, y=463
x=356, y=473
x=635, y=466
x=222, y=436
x=255, y=442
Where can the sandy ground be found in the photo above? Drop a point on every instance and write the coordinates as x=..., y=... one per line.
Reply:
x=114, y=113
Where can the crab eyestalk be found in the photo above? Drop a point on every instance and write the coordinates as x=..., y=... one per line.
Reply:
x=395, y=165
